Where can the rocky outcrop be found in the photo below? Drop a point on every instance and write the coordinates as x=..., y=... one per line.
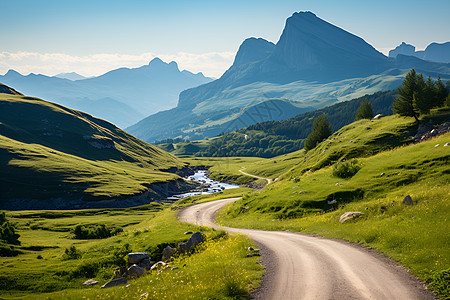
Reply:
x=426, y=131
x=168, y=252
x=135, y=271
x=408, y=200
x=135, y=258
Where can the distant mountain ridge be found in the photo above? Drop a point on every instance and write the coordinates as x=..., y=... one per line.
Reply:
x=434, y=52
x=122, y=96
x=71, y=76
x=314, y=64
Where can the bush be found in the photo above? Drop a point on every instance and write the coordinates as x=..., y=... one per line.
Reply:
x=365, y=111
x=7, y=231
x=71, y=253
x=8, y=251
x=99, y=231
x=346, y=169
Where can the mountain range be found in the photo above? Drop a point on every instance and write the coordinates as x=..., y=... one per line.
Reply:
x=433, y=52
x=314, y=64
x=122, y=96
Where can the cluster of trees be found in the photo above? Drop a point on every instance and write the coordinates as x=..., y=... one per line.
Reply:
x=417, y=96
x=252, y=143
x=99, y=231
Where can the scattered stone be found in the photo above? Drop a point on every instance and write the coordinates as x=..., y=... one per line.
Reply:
x=377, y=117
x=332, y=201
x=195, y=239
x=349, y=216
x=182, y=247
x=144, y=294
x=158, y=265
x=90, y=282
x=134, y=258
x=437, y=145
x=351, y=141
x=382, y=174
x=446, y=144
x=249, y=255
x=302, y=192
x=408, y=200
x=368, y=128
x=115, y=282
x=145, y=263
x=339, y=183
x=168, y=252
x=174, y=268
x=121, y=272
x=135, y=271
x=250, y=249
x=295, y=187
x=188, y=232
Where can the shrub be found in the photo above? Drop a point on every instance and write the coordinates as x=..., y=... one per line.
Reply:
x=99, y=231
x=346, y=169
x=71, y=253
x=7, y=231
x=365, y=111
x=440, y=283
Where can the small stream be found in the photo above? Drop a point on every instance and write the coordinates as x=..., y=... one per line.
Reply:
x=209, y=186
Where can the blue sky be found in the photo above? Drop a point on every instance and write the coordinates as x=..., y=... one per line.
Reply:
x=91, y=37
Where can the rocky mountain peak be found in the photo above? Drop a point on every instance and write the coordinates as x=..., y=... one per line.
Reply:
x=253, y=49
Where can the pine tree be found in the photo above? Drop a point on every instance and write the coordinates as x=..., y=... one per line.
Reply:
x=423, y=95
x=441, y=93
x=321, y=129
x=365, y=111
x=404, y=104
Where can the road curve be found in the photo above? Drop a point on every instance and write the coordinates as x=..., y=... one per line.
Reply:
x=305, y=267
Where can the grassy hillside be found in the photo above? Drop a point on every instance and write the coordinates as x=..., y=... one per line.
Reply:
x=309, y=196
x=48, y=151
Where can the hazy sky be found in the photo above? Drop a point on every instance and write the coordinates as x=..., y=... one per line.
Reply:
x=93, y=36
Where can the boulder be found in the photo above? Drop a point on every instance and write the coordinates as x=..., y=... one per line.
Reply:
x=115, y=282
x=134, y=258
x=168, y=252
x=90, y=282
x=121, y=272
x=135, y=271
x=182, y=247
x=145, y=263
x=195, y=239
x=407, y=200
x=349, y=216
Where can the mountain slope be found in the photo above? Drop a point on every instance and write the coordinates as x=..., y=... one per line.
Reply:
x=434, y=52
x=52, y=156
x=314, y=64
x=129, y=94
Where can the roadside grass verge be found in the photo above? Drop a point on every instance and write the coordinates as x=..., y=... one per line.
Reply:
x=219, y=269
x=311, y=202
x=46, y=267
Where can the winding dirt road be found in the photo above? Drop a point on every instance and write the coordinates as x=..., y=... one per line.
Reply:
x=269, y=181
x=305, y=267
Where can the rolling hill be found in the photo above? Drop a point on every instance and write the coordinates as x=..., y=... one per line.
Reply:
x=54, y=157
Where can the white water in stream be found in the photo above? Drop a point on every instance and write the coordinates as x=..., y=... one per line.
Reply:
x=209, y=186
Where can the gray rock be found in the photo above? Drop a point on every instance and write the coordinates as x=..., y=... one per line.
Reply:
x=145, y=263
x=379, y=116
x=90, y=282
x=195, y=239
x=408, y=200
x=168, y=252
x=136, y=271
x=121, y=272
x=349, y=216
x=182, y=247
x=115, y=282
x=159, y=265
x=188, y=232
x=134, y=258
